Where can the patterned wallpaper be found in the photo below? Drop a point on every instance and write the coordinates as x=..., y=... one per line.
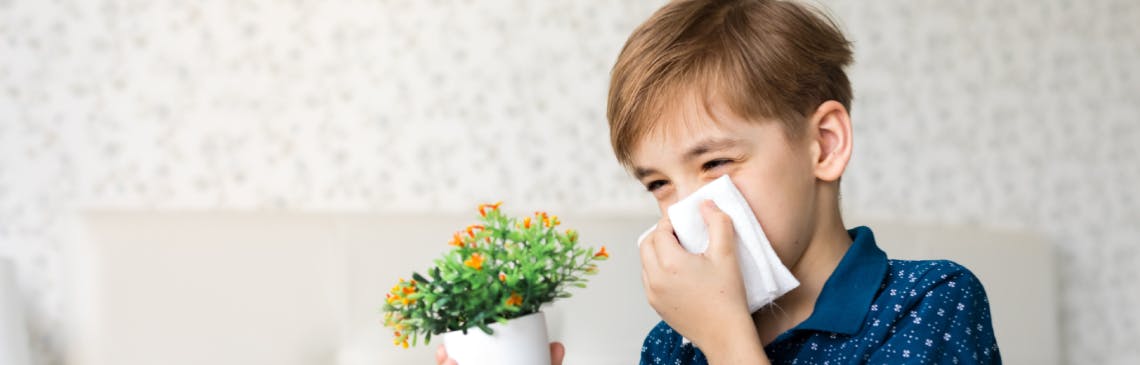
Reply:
x=1016, y=113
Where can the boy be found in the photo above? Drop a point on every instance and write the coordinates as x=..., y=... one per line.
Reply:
x=756, y=89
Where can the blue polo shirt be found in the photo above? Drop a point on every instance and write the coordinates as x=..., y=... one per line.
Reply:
x=873, y=310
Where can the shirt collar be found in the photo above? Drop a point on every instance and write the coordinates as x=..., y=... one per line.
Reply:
x=846, y=297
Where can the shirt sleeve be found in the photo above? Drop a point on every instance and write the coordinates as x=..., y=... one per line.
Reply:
x=950, y=324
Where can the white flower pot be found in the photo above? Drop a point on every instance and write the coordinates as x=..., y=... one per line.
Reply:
x=521, y=341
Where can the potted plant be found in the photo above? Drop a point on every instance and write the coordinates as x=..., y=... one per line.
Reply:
x=484, y=296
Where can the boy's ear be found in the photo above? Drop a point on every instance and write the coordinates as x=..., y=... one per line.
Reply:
x=832, y=140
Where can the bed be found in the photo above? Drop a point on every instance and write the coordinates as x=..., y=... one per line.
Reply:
x=244, y=288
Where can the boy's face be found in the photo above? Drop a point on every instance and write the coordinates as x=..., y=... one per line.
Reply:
x=693, y=146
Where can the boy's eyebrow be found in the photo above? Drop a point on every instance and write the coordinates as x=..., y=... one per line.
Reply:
x=710, y=145
x=702, y=147
x=641, y=172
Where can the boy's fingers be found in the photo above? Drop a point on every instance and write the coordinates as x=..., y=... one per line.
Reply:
x=722, y=240
x=440, y=355
x=557, y=353
x=648, y=254
x=668, y=249
x=664, y=223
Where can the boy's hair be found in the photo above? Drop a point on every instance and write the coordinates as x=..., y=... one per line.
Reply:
x=764, y=58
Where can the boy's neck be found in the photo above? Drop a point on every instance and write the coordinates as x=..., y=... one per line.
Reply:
x=825, y=249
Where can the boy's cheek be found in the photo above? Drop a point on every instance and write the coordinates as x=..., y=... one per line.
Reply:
x=782, y=209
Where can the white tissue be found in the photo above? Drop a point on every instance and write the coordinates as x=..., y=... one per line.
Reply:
x=765, y=276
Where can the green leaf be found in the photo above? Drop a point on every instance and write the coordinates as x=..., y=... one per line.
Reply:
x=487, y=330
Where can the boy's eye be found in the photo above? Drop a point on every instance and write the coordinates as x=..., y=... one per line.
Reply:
x=714, y=164
x=654, y=185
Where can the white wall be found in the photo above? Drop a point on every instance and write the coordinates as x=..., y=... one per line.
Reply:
x=1017, y=114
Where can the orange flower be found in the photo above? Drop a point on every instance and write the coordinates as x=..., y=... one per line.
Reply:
x=475, y=262
x=526, y=222
x=471, y=229
x=408, y=290
x=456, y=241
x=554, y=221
x=502, y=277
x=483, y=208
x=602, y=253
x=515, y=300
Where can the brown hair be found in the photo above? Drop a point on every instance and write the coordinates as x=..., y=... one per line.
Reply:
x=765, y=58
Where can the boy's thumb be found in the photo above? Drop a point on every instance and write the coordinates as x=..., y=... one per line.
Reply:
x=722, y=237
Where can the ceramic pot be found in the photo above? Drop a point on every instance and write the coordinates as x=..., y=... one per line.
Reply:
x=521, y=341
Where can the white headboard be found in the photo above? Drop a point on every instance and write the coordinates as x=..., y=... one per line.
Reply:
x=297, y=288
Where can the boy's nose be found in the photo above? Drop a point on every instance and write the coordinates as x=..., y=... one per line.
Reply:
x=683, y=190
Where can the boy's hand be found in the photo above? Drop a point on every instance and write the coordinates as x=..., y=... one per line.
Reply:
x=557, y=352
x=702, y=295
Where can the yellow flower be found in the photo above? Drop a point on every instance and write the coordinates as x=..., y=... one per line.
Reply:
x=456, y=241
x=400, y=340
x=475, y=262
x=526, y=222
x=515, y=300
x=402, y=296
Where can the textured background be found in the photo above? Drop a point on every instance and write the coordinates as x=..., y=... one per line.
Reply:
x=1018, y=114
